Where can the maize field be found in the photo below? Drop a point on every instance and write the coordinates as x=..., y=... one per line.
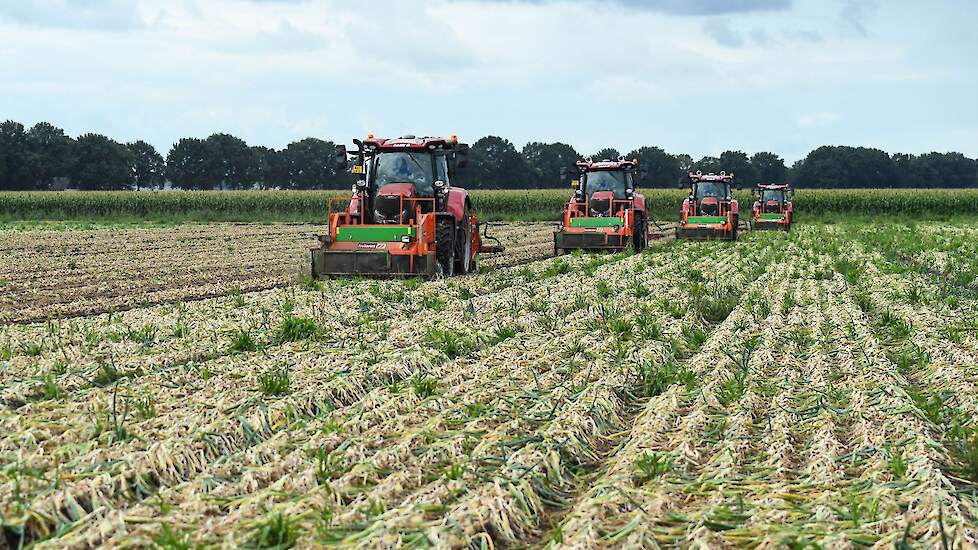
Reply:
x=525, y=205
x=189, y=387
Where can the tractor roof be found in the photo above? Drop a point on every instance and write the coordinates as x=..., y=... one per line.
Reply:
x=410, y=142
x=773, y=186
x=723, y=177
x=607, y=165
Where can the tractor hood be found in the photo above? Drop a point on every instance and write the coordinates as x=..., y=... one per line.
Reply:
x=405, y=189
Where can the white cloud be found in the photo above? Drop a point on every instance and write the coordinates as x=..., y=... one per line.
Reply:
x=817, y=119
x=274, y=71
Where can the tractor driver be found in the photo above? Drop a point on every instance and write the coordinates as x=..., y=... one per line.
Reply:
x=769, y=195
x=710, y=190
x=406, y=168
x=606, y=180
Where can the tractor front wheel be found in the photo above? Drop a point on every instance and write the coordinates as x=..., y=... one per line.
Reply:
x=640, y=233
x=445, y=246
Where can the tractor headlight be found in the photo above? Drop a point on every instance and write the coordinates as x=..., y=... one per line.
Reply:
x=361, y=184
x=405, y=238
x=440, y=187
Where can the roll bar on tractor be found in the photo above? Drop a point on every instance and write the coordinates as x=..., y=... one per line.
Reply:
x=722, y=177
x=787, y=188
x=457, y=152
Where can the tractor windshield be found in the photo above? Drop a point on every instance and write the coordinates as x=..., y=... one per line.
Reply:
x=405, y=167
x=711, y=190
x=606, y=181
x=769, y=195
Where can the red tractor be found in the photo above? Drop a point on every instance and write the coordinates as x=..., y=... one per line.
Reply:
x=404, y=218
x=773, y=209
x=710, y=211
x=605, y=212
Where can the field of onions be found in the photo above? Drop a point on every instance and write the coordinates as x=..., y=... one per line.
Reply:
x=788, y=390
x=58, y=274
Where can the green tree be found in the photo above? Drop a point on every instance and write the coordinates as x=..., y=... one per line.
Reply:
x=311, y=164
x=51, y=154
x=794, y=171
x=494, y=163
x=686, y=165
x=186, y=165
x=903, y=164
x=707, y=165
x=738, y=164
x=952, y=170
x=660, y=169
x=101, y=164
x=608, y=153
x=545, y=161
x=148, y=166
x=230, y=162
x=830, y=167
x=14, y=157
x=269, y=168
x=769, y=167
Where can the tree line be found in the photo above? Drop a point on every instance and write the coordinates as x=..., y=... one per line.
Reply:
x=44, y=157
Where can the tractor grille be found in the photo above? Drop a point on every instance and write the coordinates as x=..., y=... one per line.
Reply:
x=710, y=209
x=388, y=207
x=772, y=208
x=600, y=206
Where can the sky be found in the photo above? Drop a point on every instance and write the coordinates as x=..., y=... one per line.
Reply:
x=693, y=76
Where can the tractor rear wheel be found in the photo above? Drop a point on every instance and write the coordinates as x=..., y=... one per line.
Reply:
x=640, y=233
x=445, y=246
x=736, y=226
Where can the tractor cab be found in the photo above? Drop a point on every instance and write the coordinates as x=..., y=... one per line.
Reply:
x=710, y=211
x=710, y=195
x=772, y=207
x=603, y=188
x=605, y=212
x=404, y=176
x=601, y=184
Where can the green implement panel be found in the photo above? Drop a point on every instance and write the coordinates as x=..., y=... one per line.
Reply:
x=706, y=219
x=771, y=217
x=596, y=222
x=373, y=233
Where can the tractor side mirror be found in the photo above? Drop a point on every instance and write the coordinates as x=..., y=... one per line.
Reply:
x=341, y=155
x=566, y=174
x=462, y=155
